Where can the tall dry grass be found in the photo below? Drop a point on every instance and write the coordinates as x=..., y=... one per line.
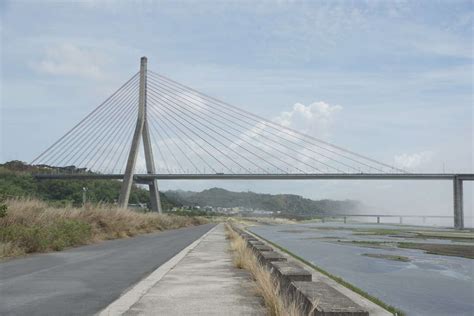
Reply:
x=267, y=286
x=32, y=225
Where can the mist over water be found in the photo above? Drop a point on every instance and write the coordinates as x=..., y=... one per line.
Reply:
x=420, y=198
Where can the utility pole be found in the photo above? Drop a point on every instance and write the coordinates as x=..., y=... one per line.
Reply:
x=84, y=196
x=141, y=132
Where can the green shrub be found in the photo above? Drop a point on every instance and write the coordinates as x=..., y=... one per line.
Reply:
x=3, y=210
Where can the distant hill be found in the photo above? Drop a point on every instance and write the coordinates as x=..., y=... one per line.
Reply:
x=285, y=203
x=16, y=180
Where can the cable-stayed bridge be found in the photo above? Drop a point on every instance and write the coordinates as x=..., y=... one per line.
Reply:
x=187, y=134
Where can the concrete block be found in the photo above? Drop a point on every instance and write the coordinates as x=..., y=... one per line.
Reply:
x=238, y=230
x=249, y=237
x=266, y=257
x=287, y=272
x=260, y=248
x=256, y=242
x=318, y=298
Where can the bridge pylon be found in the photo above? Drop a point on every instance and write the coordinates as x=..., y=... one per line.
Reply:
x=141, y=132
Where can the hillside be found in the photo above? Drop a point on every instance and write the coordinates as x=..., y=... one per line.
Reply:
x=285, y=203
x=16, y=180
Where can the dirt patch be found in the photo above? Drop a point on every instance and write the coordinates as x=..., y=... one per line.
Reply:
x=294, y=231
x=369, y=244
x=466, y=236
x=464, y=251
x=387, y=257
x=328, y=238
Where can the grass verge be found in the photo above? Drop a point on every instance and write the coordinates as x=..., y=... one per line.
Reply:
x=31, y=225
x=339, y=280
x=266, y=285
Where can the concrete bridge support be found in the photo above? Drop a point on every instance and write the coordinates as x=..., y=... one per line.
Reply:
x=458, y=203
x=141, y=131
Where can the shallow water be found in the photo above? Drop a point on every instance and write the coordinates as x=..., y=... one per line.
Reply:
x=427, y=285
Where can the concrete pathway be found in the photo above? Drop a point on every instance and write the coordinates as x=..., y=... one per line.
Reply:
x=204, y=282
x=84, y=280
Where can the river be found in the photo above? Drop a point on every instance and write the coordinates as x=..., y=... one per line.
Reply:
x=425, y=285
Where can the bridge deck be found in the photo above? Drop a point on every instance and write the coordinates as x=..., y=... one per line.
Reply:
x=284, y=176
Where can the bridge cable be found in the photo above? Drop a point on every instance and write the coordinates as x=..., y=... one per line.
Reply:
x=193, y=132
x=125, y=135
x=279, y=127
x=116, y=134
x=159, y=127
x=116, y=123
x=157, y=146
x=104, y=129
x=225, y=131
x=187, y=104
x=163, y=141
x=89, y=125
x=176, y=128
x=279, y=137
x=215, y=139
x=270, y=139
x=84, y=119
x=96, y=130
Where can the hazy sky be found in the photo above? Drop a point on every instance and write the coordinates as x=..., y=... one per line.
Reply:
x=395, y=77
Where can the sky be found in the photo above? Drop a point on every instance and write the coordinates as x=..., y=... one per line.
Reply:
x=392, y=80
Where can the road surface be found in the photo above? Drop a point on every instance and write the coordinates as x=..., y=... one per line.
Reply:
x=84, y=280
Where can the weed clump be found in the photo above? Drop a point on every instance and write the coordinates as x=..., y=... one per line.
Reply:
x=32, y=225
x=266, y=285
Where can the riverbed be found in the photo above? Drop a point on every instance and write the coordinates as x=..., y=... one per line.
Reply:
x=419, y=283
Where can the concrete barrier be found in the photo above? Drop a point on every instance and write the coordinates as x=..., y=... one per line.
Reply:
x=318, y=298
x=314, y=298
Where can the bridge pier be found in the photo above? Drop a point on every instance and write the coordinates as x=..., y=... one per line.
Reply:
x=458, y=203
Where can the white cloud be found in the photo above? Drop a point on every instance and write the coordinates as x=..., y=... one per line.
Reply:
x=70, y=60
x=314, y=119
x=413, y=161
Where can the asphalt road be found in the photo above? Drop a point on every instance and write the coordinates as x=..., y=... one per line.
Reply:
x=84, y=280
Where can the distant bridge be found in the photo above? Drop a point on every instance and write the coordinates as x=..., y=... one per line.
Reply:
x=197, y=137
x=378, y=217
